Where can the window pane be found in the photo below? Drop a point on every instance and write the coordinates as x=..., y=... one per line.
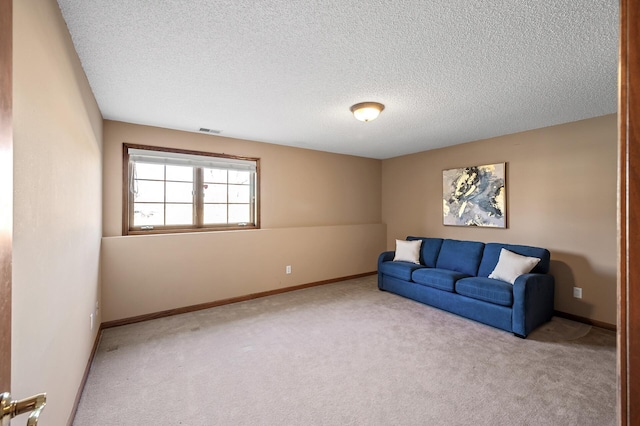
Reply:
x=215, y=175
x=239, y=213
x=215, y=193
x=239, y=177
x=181, y=173
x=167, y=193
x=149, y=191
x=215, y=213
x=179, y=214
x=148, y=214
x=239, y=193
x=149, y=171
x=178, y=192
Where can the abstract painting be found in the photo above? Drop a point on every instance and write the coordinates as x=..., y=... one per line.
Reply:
x=475, y=196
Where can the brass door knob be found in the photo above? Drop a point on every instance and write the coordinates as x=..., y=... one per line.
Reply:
x=10, y=409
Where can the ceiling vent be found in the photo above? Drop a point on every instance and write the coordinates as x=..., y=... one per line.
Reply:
x=212, y=131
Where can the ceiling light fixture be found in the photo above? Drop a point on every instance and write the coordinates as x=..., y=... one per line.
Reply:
x=367, y=111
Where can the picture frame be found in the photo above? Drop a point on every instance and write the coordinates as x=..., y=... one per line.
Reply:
x=475, y=196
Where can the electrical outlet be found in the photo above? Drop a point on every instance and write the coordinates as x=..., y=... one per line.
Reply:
x=577, y=292
x=288, y=269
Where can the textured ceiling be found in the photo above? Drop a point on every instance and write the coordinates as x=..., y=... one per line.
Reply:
x=287, y=71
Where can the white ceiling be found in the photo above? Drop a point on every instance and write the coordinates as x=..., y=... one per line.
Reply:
x=287, y=71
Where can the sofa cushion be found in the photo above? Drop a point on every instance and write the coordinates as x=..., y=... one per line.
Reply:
x=461, y=256
x=442, y=279
x=407, y=251
x=492, y=254
x=400, y=270
x=486, y=289
x=511, y=265
x=430, y=250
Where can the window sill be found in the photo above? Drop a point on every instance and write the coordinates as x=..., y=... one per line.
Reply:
x=189, y=230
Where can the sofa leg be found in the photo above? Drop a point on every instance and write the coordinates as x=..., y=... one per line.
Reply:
x=519, y=335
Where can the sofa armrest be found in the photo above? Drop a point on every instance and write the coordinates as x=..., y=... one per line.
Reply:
x=385, y=256
x=532, y=302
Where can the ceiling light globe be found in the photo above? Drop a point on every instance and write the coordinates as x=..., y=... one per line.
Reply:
x=367, y=111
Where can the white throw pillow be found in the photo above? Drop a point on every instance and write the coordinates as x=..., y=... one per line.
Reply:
x=511, y=265
x=408, y=251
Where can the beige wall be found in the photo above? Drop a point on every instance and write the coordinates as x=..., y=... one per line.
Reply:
x=158, y=272
x=299, y=187
x=561, y=195
x=320, y=213
x=58, y=210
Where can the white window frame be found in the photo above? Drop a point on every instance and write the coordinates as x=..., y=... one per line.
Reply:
x=199, y=160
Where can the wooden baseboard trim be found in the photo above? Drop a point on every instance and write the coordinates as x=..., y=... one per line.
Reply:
x=192, y=308
x=96, y=342
x=594, y=323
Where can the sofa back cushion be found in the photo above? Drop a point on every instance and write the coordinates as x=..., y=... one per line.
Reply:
x=429, y=251
x=461, y=256
x=492, y=254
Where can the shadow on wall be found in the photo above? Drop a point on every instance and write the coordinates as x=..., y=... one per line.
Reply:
x=572, y=270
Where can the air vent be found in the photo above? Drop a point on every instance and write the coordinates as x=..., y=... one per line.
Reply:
x=212, y=131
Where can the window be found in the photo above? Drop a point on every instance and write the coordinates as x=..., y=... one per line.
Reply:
x=169, y=190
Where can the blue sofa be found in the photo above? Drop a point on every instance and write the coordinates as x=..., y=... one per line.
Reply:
x=453, y=275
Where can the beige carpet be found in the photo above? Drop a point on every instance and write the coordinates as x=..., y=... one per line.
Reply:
x=347, y=354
